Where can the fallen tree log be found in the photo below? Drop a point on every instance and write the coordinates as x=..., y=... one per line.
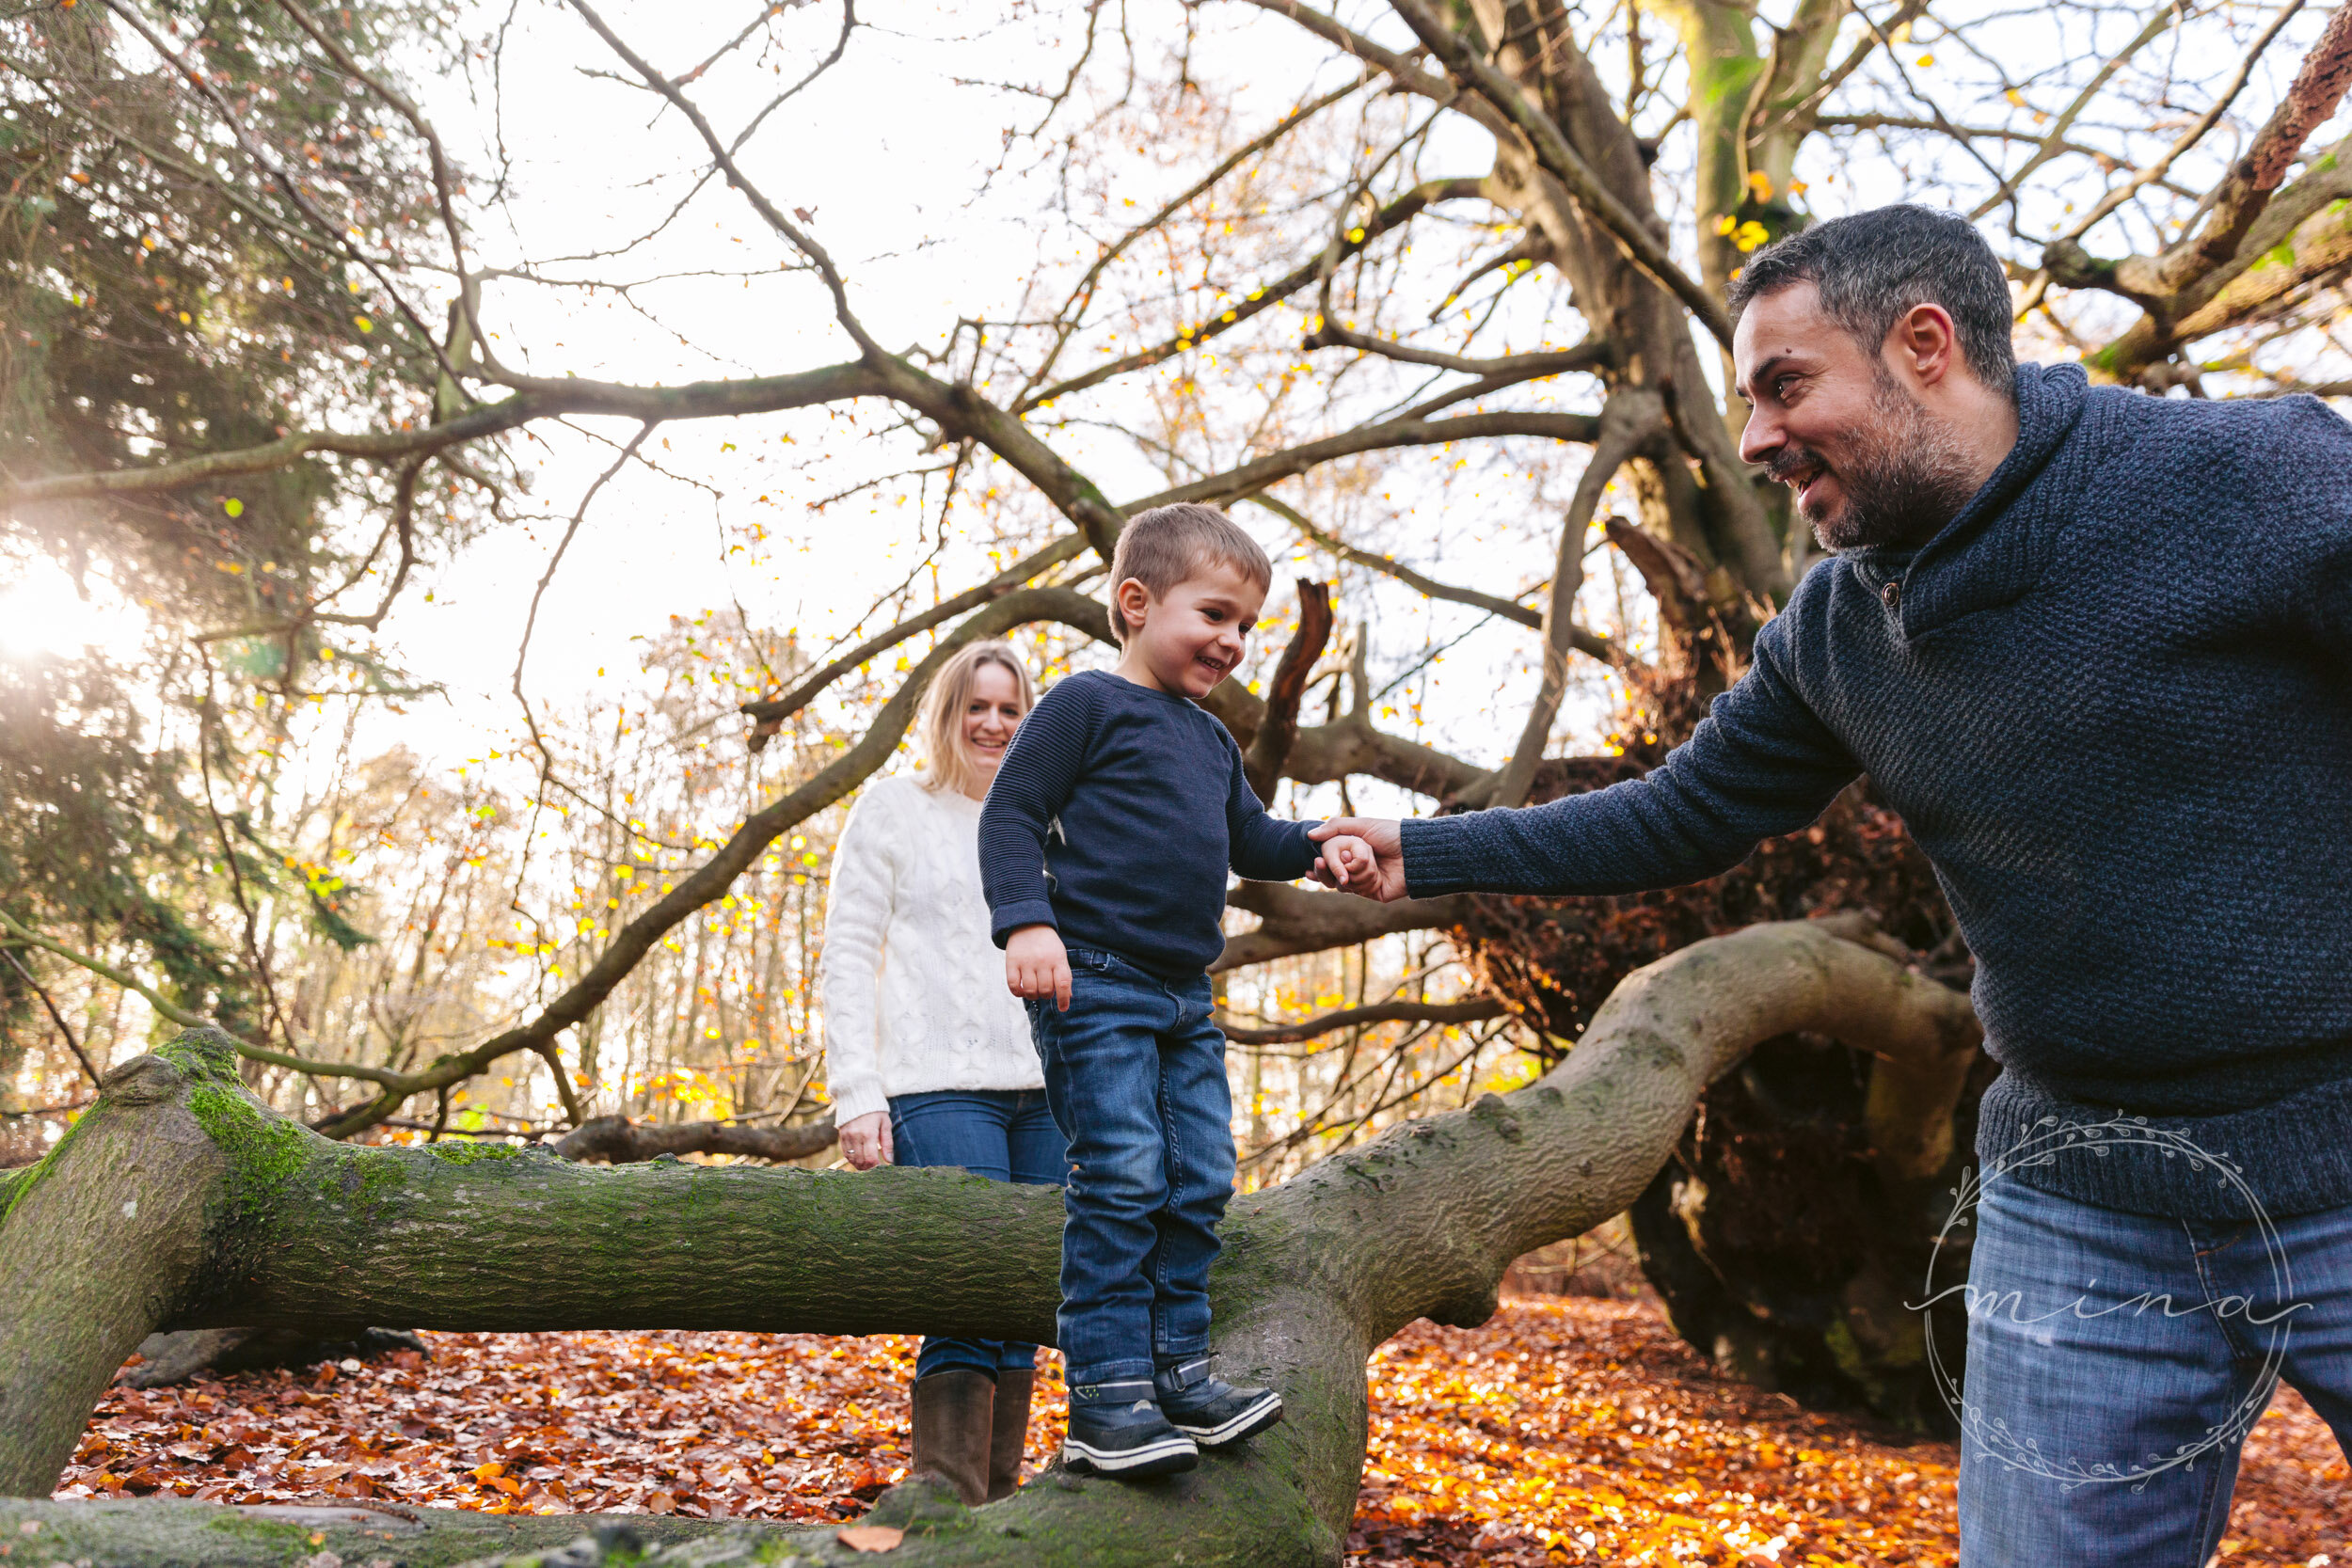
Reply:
x=618, y=1141
x=180, y=1202
x=612, y=1140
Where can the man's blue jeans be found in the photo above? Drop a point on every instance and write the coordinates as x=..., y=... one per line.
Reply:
x=2115, y=1363
x=1136, y=1073
x=1004, y=1135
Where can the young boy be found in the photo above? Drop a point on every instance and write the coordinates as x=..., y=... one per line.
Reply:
x=1104, y=849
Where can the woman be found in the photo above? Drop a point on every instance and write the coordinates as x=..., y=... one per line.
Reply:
x=928, y=1054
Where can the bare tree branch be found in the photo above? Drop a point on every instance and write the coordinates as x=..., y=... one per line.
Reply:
x=1377, y=1012
x=1394, y=216
x=1642, y=248
x=1410, y=431
x=618, y=1141
x=1620, y=435
x=1298, y=921
x=723, y=155
x=57, y=1018
x=1082, y=293
x=768, y=714
x=1277, y=726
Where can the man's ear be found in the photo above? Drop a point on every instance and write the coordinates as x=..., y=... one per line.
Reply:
x=1924, y=341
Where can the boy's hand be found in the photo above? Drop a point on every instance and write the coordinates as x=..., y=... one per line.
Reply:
x=1379, y=841
x=1345, y=860
x=1036, y=965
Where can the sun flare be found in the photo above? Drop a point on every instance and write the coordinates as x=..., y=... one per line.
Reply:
x=44, y=612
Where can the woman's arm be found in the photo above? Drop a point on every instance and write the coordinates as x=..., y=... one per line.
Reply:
x=849, y=970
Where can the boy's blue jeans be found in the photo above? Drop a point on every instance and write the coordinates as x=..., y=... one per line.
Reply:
x=1004, y=1135
x=1135, y=1075
x=2115, y=1361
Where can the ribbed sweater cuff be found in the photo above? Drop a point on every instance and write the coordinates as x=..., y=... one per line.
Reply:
x=1438, y=855
x=859, y=1099
x=1008, y=918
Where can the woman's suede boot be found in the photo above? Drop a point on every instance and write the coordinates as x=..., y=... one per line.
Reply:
x=1012, y=1434
x=954, y=1417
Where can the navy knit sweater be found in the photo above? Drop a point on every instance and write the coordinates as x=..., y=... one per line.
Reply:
x=2112, y=700
x=1114, y=816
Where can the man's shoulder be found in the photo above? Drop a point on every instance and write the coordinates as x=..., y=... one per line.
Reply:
x=2207, y=475
x=2225, y=440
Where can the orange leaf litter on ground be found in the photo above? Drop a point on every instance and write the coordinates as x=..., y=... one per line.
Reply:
x=1561, y=1431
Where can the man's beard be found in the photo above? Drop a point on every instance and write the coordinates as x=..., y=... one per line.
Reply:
x=1907, y=479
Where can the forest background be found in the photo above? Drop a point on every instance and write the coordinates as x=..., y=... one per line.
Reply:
x=456, y=582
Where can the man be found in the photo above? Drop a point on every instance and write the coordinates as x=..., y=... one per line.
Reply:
x=2096, y=647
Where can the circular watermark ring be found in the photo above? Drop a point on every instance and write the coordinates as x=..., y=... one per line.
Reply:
x=2043, y=1145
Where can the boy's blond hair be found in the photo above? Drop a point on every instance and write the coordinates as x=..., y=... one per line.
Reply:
x=939, y=724
x=1162, y=548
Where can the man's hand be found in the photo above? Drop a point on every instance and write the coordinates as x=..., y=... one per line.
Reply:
x=865, y=1140
x=1036, y=965
x=1373, y=837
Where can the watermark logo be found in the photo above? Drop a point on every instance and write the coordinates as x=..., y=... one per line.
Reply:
x=2049, y=1141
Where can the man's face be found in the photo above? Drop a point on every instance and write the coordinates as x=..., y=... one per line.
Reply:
x=1870, y=464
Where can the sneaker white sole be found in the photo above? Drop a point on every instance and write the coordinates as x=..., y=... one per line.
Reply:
x=1248, y=1423
x=1164, y=1456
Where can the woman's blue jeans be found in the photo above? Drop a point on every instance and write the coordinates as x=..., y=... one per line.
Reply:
x=1136, y=1072
x=1004, y=1135
x=2115, y=1362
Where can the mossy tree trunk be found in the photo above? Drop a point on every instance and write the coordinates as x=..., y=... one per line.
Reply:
x=180, y=1202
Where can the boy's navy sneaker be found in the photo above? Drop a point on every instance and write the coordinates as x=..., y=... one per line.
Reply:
x=1116, y=1430
x=1209, y=1410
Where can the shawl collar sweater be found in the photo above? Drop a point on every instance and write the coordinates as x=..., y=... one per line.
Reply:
x=2112, y=700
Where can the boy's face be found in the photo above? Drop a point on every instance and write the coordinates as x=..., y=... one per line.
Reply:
x=1191, y=636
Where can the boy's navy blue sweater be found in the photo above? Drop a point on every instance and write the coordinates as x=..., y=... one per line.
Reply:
x=1114, y=816
x=2112, y=700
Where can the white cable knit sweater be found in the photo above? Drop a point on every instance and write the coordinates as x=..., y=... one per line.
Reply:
x=912, y=990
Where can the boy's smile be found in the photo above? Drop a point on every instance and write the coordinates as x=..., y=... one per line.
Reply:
x=1191, y=637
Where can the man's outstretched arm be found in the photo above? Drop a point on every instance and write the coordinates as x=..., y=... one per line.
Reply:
x=1761, y=764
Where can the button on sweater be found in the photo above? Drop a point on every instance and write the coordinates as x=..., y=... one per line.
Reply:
x=2112, y=700
x=1114, y=817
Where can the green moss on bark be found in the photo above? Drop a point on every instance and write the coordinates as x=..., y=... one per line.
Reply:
x=203, y=1057
x=9, y=1183
x=23, y=1182
x=468, y=1153
x=263, y=1150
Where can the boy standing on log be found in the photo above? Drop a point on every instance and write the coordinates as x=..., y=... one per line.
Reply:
x=1104, y=849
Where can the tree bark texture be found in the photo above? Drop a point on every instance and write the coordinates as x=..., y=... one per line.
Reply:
x=181, y=1202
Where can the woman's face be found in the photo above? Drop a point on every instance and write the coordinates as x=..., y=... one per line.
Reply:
x=989, y=717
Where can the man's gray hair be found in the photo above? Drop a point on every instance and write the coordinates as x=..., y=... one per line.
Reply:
x=1163, y=546
x=1873, y=266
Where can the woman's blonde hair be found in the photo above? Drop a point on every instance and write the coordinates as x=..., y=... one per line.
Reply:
x=939, y=724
